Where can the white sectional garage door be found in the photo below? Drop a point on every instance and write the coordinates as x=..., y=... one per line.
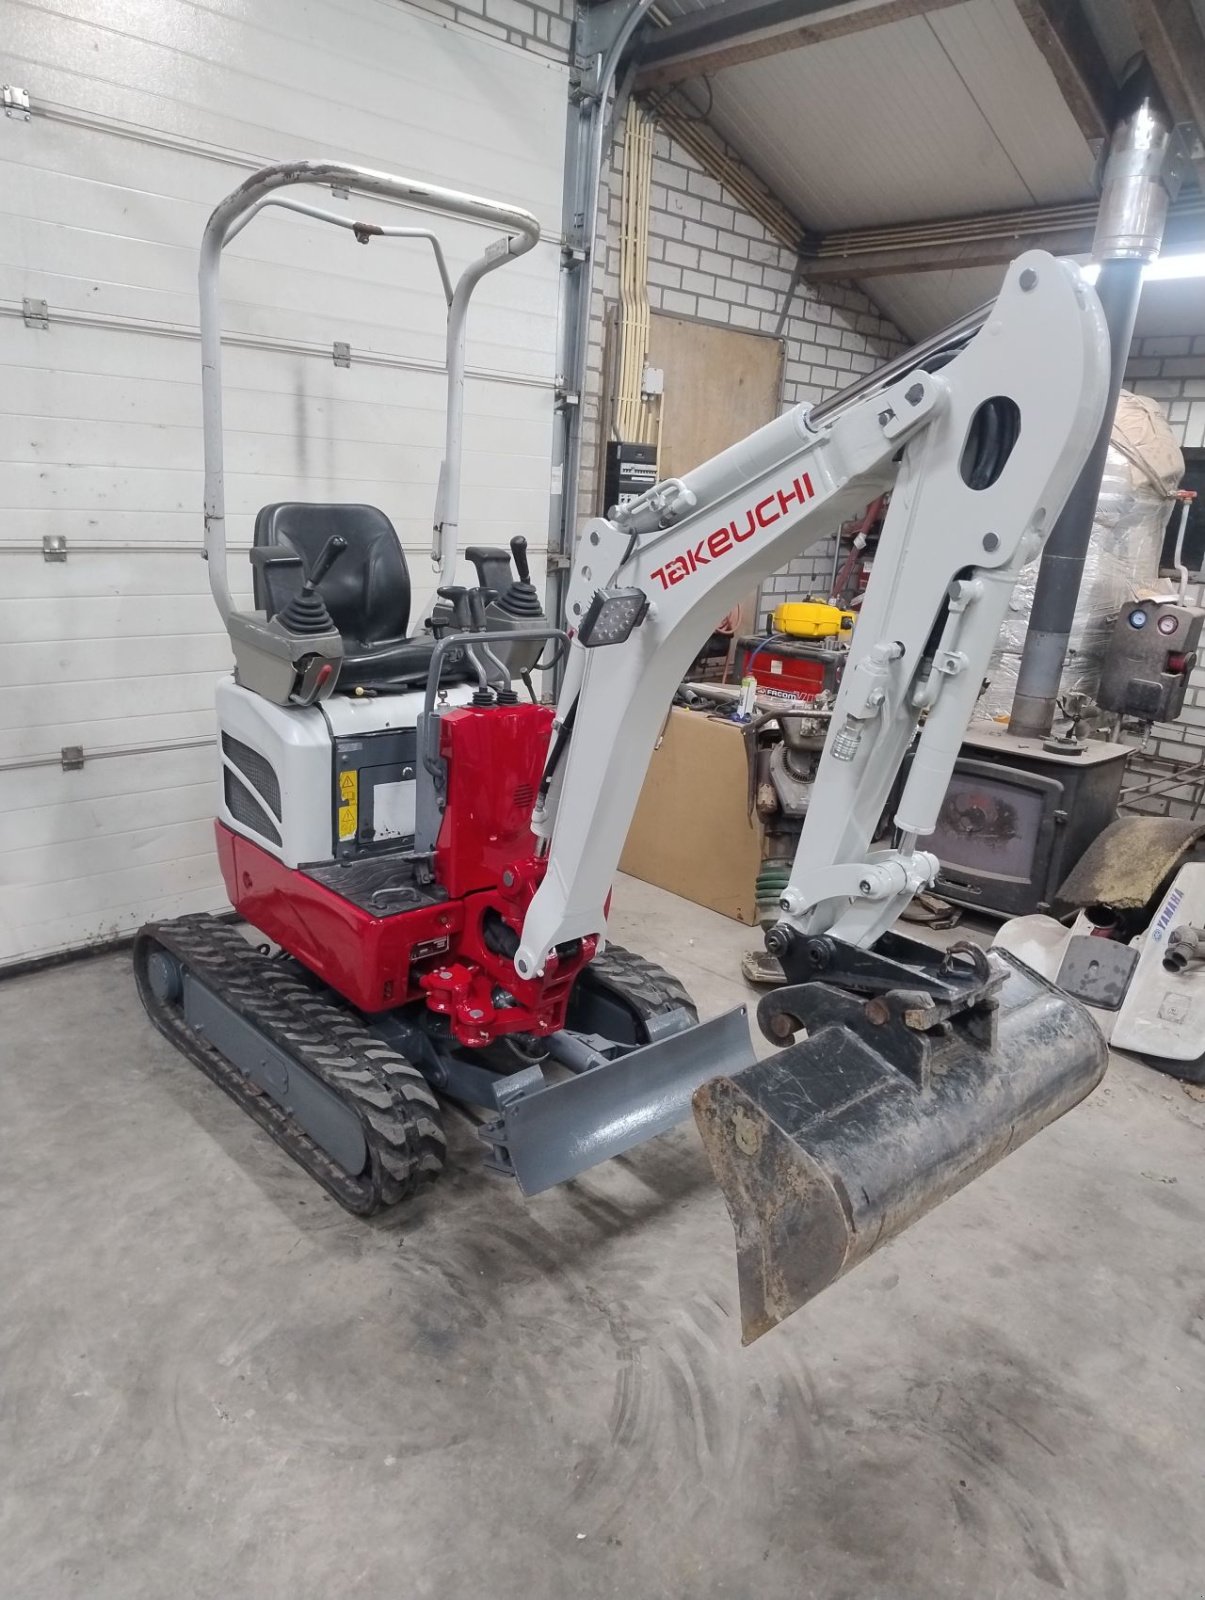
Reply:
x=144, y=115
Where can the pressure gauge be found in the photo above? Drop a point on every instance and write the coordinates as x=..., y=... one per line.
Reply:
x=1137, y=618
x=1168, y=624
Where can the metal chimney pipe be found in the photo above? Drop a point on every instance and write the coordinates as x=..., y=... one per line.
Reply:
x=1141, y=178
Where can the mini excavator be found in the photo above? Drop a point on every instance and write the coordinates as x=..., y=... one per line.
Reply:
x=430, y=856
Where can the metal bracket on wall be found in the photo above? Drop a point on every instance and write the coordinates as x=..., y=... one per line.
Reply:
x=72, y=757
x=340, y=191
x=15, y=101
x=1193, y=140
x=35, y=313
x=341, y=353
x=54, y=547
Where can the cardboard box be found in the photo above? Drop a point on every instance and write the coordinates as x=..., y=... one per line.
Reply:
x=692, y=832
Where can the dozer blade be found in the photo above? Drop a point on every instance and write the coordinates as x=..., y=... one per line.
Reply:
x=833, y=1146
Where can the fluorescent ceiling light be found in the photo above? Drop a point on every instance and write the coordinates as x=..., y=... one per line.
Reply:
x=1162, y=270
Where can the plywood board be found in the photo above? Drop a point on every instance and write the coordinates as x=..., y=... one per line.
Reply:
x=720, y=384
x=692, y=833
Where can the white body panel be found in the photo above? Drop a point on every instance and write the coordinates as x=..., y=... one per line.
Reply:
x=1041, y=942
x=297, y=743
x=1163, y=1013
x=137, y=131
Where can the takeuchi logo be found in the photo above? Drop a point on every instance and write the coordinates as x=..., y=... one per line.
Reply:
x=724, y=540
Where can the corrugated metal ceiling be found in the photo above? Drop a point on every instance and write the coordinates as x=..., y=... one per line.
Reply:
x=924, y=302
x=943, y=114
x=948, y=113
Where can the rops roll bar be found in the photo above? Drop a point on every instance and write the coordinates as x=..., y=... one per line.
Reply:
x=231, y=216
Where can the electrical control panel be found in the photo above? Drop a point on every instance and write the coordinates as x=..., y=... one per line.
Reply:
x=1149, y=660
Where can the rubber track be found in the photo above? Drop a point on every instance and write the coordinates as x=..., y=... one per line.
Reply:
x=398, y=1113
x=647, y=988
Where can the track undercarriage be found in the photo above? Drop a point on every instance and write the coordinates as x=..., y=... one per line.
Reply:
x=352, y=1098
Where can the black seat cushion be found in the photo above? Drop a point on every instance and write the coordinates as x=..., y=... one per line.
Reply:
x=367, y=590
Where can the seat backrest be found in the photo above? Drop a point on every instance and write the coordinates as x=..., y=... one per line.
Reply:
x=367, y=591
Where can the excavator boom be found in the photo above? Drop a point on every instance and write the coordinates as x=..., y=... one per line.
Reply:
x=918, y=1071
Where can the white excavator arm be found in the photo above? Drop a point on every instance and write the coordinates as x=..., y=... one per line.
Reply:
x=979, y=456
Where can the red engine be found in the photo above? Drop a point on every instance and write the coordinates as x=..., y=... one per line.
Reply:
x=453, y=947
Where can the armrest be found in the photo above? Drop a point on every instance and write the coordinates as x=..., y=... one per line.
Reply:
x=273, y=555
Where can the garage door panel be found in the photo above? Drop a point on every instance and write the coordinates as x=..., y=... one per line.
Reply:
x=71, y=226
x=96, y=820
x=180, y=724
x=301, y=413
x=111, y=356
x=104, y=575
x=89, y=620
x=121, y=778
x=189, y=133
x=84, y=661
x=36, y=487
x=216, y=98
x=37, y=706
x=515, y=346
x=106, y=907
x=144, y=117
x=63, y=865
x=78, y=445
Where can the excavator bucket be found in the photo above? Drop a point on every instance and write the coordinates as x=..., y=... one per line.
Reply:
x=897, y=1097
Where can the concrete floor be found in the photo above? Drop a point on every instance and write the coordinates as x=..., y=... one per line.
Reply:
x=216, y=1384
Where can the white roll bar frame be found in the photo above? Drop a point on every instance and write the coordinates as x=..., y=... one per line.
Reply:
x=231, y=216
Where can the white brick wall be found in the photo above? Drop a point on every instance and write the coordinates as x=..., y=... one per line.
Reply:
x=542, y=26
x=1172, y=371
x=708, y=258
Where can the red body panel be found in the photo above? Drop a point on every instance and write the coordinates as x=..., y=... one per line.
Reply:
x=369, y=960
x=452, y=955
x=495, y=757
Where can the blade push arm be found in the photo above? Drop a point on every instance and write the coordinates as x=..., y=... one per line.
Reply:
x=980, y=457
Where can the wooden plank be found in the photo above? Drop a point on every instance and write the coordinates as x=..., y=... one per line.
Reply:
x=1062, y=33
x=886, y=261
x=671, y=57
x=699, y=419
x=948, y=243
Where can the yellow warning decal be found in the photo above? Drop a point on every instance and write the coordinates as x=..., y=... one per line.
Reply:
x=349, y=804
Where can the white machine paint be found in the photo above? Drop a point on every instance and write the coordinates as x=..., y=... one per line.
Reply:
x=296, y=744
x=1163, y=1013
x=134, y=136
x=694, y=545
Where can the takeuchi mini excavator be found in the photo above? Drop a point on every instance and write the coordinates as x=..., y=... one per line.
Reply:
x=431, y=852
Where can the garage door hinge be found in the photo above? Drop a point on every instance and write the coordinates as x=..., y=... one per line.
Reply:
x=72, y=757
x=54, y=547
x=341, y=353
x=15, y=101
x=36, y=313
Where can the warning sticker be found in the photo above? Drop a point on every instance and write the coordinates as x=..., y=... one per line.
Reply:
x=349, y=804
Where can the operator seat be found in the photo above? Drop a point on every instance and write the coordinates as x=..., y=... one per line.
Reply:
x=367, y=590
